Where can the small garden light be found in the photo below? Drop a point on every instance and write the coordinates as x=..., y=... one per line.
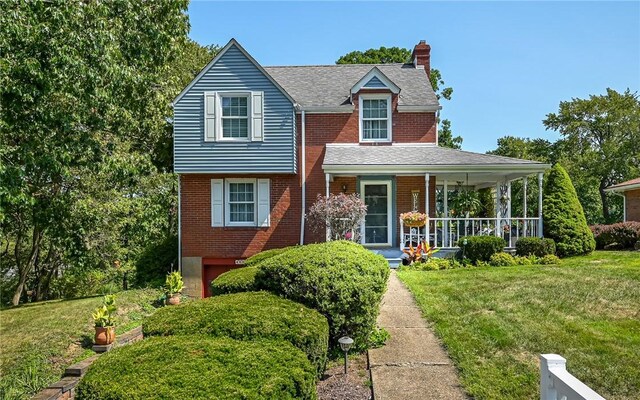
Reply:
x=345, y=344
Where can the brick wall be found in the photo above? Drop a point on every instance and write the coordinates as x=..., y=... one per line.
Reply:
x=405, y=185
x=632, y=202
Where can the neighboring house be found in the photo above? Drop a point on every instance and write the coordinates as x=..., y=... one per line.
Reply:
x=630, y=192
x=254, y=146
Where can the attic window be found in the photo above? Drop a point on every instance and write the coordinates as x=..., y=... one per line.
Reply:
x=375, y=118
x=235, y=117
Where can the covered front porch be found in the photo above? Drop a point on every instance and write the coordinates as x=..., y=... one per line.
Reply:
x=464, y=194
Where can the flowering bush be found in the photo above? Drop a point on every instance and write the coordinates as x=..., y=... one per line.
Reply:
x=414, y=218
x=341, y=213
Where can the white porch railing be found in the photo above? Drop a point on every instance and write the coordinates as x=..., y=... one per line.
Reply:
x=445, y=232
x=556, y=383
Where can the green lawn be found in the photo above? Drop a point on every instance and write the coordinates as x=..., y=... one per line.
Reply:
x=495, y=321
x=37, y=341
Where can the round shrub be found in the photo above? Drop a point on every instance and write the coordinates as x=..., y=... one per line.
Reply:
x=193, y=367
x=502, y=260
x=549, y=259
x=247, y=316
x=526, y=260
x=622, y=235
x=235, y=281
x=481, y=248
x=342, y=280
x=533, y=246
x=256, y=259
x=563, y=216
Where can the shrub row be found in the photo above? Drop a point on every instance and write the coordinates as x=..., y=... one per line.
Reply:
x=200, y=367
x=533, y=246
x=623, y=235
x=235, y=281
x=481, y=248
x=247, y=316
x=342, y=280
x=506, y=259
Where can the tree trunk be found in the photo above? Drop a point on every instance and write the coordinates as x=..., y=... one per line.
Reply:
x=28, y=266
x=605, y=201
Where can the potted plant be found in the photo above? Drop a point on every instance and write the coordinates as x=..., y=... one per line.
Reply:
x=104, y=321
x=173, y=286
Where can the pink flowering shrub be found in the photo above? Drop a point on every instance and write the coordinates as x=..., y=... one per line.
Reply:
x=342, y=213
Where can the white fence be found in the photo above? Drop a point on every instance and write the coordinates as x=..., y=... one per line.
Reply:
x=556, y=383
x=445, y=232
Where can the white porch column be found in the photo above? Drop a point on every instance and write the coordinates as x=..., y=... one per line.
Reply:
x=427, y=229
x=445, y=225
x=524, y=206
x=498, y=211
x=327, y=183
x=540, y=227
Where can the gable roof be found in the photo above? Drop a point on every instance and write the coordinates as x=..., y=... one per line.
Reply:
x=329, y=86
x=378, y=77
x=232, y=43
x=624, y=186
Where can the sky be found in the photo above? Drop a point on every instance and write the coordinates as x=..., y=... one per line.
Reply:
x=509, y=63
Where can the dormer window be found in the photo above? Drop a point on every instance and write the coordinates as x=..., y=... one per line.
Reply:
x=375, y=118
x=235, y=117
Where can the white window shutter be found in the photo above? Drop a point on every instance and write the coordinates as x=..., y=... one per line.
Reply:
x=264, y=206
x=217, y=202
x=257, y=115
x=209, y=116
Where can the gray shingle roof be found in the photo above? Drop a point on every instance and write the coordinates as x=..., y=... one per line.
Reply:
x=413, y=156
x=330, y=85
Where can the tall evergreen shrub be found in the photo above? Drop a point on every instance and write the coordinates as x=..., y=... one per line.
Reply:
x=563, y=216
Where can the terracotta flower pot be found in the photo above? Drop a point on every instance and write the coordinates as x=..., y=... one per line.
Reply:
x=173, y=299
x=105, y=335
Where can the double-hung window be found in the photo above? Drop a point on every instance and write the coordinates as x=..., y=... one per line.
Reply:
x=241, y=202
x=235, y=117
x=375, y=118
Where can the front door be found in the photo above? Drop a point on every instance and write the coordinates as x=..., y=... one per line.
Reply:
x=376, y=230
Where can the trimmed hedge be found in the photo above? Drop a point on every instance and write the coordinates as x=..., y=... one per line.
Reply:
x=481, y=248
x=247, y=316
x=563, y=216
x=623, y=235
x=533, y=246
x=235, y=281
x=341, y=279
x=196, y=367
x=256, y=259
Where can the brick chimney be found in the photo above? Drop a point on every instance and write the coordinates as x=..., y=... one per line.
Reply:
x=422, y=56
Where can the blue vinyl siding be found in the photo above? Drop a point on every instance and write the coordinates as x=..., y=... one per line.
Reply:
x=275, y=154
x=375, y=83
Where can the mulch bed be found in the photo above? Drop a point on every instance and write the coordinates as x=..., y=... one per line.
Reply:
x=334, y=385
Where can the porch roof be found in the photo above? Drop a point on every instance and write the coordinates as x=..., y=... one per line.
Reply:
x=343, y=159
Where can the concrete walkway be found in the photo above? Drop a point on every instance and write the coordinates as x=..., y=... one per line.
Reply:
x=412, y=365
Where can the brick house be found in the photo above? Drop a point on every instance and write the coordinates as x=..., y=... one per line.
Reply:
x=630, y=192
x=254, y=146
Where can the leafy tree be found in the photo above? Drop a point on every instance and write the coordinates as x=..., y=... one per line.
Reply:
x=390, y=55
x=601, y=136
x=562, y=214
x=82, y=84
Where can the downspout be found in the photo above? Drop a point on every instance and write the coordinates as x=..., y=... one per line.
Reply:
x=179, y=228
x=303, y=171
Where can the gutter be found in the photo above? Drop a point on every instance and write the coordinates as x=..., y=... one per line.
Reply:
x=303, y=171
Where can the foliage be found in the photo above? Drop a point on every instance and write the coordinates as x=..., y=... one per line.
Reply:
x=414, y=218
x=422, y=253
x=481, y=248
x=601, y=138
x=105, y=316
x=193, y=367
x=378, y=337
x=562, y=214
x=446, y=138
x=463, y=202
x=501, y=260
x=174, y=283
x=235, y=281
x=623, y=235
x=40, y=340
x=495, y=322
x=86, y=134
x=342, y=280
x=256, y=259
x=156, y=261
x=341, y=213
x=247, y=316
x=434, y=264
x=549, y=259
x=538, y=247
